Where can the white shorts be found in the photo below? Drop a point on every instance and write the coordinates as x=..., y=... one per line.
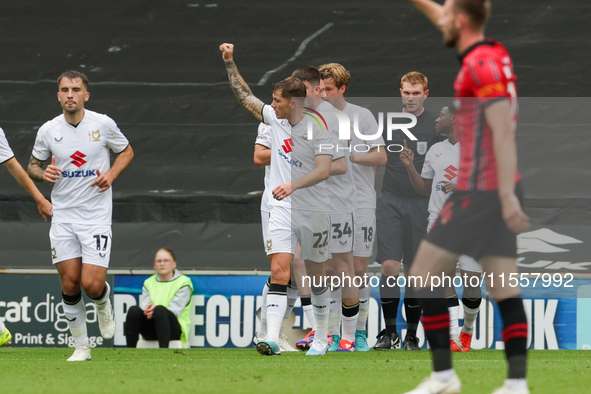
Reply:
x=92, y=242
x=465, y=263
x=288, y=227
x=365, y=229
x=265, y=224
x=341, y=240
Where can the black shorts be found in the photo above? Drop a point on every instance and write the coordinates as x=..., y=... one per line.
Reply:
x=471, y=223
x=401, y=224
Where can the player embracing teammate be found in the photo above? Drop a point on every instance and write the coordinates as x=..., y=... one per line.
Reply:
x=299, y=165
x=364, y=162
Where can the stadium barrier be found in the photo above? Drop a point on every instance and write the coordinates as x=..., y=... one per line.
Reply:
x=225, y=305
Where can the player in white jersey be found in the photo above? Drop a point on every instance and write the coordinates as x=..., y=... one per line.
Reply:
x=438, y=177
x=7, y=158
x=299, y=166
x=78, y=143
x=262, y=158
x=366, y=155
x=340, y=188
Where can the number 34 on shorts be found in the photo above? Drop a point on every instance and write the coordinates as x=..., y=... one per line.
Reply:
x=342, y=233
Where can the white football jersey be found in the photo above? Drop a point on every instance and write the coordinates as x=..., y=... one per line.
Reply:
x=79, y=151
x=293, y=156
x=5, y=151
x=441, y=164
x=340, y=188
x=364, y=175
x=264, y=138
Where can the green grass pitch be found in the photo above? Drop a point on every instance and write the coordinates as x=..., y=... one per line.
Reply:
x=118, y=370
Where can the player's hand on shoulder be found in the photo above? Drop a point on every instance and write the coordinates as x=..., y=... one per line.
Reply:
x=103, y=181
x=407, y=156
x=45, y=209
x=513, y=215
x=52, y=172
x=227, y=51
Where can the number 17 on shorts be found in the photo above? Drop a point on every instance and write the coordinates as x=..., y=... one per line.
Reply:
x=90, y=242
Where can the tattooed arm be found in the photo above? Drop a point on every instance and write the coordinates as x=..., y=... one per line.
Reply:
x=239, y=87
x=38, y=174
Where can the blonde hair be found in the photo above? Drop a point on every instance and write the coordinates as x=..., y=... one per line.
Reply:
x=338, y=73
x=415, y=78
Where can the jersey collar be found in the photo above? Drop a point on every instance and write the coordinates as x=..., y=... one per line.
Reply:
x=406, y=112
x=487, y=41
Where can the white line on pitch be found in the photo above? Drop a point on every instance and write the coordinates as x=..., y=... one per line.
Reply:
x=300, y=50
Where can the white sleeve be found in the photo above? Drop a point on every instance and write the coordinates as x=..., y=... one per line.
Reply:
x=40, y=150
x=269, y=114
x=144, y=298
x=115, y=138
x=428, y=171
x=324, y=143
x=180, y=301
x=5, y=151
x=264, y=136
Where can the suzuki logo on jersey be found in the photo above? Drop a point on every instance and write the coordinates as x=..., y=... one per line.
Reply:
x=293, y=162
x=287, y=144
x=78, y=159
x=451, y=172
x=78, y=174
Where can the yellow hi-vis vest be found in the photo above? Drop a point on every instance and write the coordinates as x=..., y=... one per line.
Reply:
x=162, y=293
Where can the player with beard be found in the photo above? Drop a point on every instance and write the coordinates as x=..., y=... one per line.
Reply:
x=481, y=219
x=298, y=168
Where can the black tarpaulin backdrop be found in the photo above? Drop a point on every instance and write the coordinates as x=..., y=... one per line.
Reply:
x=156, y=69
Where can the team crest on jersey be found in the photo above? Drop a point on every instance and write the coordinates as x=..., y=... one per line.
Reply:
x=421, y=147
x=53, y=253
x=269, y=245
x=96, y=136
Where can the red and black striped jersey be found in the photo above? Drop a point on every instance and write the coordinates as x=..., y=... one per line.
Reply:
x=486, y=76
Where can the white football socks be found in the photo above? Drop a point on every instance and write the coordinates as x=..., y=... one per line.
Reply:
x=101, y=303
x=76, y=315
x=309, y=311
x=263, y=328
x=363, y=307
x=292, y=296
x=454, y=328
x=349, y=327
x=469, y=319
x=276, y=307
x=334, y=318
x=321, y=305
